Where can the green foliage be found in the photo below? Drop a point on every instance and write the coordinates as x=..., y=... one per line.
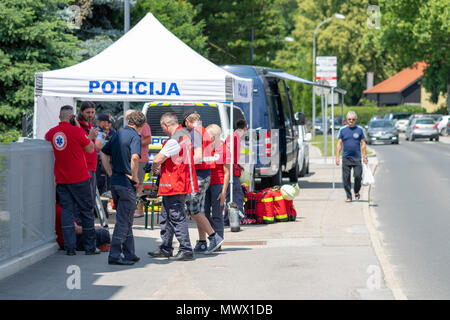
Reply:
x=364, y=113
x=357, y=48
x=178, y=17
x=419, y=30
x=228, y=28
x=32, y=39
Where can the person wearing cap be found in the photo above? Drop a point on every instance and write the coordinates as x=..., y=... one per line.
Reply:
x=105, y=133
x=195, y=202
x=120, y=157
x=175, y=166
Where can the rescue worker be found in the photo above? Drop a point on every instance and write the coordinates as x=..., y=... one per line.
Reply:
x=120, y=158
x=238, y=194
x=72, y=177
x=85, y=117
x=204, y=162
x=220, y=179
x=175, y=165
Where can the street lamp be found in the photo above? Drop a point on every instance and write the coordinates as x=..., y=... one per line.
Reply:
x=337, y=16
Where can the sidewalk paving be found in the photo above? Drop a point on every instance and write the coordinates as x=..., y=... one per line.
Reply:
x=325, y=254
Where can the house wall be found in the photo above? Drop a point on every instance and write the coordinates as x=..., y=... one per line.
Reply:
x=427, y=104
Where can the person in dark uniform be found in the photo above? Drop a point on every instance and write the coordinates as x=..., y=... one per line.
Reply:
x=175, y=165
x=72, y=178
x=105, y=133
x=120, y=158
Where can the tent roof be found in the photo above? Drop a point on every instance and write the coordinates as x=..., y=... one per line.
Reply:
x=147, y=53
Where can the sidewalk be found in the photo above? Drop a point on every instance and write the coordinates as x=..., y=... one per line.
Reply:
x=325, y=254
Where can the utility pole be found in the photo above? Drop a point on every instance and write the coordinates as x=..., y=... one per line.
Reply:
x=126, y=27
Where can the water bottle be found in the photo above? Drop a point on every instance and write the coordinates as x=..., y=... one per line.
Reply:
x=234, y=216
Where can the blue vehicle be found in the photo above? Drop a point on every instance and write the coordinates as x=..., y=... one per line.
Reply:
x=272, y=109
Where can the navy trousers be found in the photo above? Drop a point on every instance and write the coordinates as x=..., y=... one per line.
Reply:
x=122, y=239
x=173, y=222
x=213, y=209
x=238, y=198
x=76, y=204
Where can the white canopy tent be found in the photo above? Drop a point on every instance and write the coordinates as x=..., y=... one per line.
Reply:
x=147, y=63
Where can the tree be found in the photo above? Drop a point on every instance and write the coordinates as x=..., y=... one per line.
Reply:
x=420, y=31
x=178, y=17
x=229, y=26
x=32, y=39
x=355, y=45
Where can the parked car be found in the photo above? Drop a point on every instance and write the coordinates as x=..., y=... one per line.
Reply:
x=394, y=117
x=273, y=110
x=422, y=127
x=377, y=117
x=442, y=124
x=382, y=131
x=337, y=123
x=318, y=125
x=448, y=128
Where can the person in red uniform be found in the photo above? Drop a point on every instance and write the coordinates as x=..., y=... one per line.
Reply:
x=85, y=118
x=175, y=165
x=220, y=179
x=195, y=202
x=69, y=144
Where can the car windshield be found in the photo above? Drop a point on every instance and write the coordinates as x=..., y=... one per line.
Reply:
x=425, y=121
x=401, y=116
x=381, y=124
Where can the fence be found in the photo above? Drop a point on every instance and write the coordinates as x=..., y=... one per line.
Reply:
x=27, y=197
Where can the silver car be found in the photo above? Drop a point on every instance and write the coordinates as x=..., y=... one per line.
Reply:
x=424, y=127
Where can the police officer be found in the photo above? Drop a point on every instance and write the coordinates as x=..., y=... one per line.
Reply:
x=120, y=158
x=72, y=177
x=204, y=162
x=105, y=133
x=175, y=165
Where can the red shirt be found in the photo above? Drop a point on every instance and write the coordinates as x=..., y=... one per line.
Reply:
x=70, y=163
x=237, y=153
x=222, y=156
x=91, y=158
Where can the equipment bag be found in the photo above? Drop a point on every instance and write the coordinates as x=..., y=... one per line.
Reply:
x=292, y=213
x=279, y=206
x=264, y=207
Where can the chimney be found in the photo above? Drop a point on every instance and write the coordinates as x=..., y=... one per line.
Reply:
x=369, y=82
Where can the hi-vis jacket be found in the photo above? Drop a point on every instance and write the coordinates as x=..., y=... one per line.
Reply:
x=208, y=161
x=178, y=172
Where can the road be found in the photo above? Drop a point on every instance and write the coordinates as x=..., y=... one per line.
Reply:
x=411, y=201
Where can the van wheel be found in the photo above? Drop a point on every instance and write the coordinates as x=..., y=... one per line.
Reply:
x=307, y=168
x=294, y=173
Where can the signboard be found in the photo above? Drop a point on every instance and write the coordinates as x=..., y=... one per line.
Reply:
x=326, y=69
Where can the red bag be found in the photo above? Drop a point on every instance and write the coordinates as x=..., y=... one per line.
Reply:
x=279, y=206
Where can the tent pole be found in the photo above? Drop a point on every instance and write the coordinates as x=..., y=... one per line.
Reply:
x=332, y=128
x=232, y=149
x=126, y=27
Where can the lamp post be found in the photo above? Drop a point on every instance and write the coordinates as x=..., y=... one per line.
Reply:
x=337, y=16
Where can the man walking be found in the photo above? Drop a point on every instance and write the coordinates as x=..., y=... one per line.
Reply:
x=124, y=152
x=351, y=139
x=175, y=165
x=72, y=178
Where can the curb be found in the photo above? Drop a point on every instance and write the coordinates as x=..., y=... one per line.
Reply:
x=26, y=259
x=388, y=270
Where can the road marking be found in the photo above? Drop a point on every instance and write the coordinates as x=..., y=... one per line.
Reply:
x=377, y=244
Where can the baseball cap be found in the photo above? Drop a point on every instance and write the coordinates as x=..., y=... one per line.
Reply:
x=103, y=117
x=185, y=115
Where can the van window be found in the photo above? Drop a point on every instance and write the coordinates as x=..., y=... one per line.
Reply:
x=237, y=115
x=288, y=116
x=208, y=115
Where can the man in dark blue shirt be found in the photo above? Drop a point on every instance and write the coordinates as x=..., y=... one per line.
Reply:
x=120, y=158
x=351, y=137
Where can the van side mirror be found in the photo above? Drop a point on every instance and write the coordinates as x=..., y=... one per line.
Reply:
x=300, y=118
x=308, y=136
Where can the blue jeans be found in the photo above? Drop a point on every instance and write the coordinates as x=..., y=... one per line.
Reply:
x=174, y=222
x=76, y=204
x=213, y=209
x=238, y=198
x=122, y=239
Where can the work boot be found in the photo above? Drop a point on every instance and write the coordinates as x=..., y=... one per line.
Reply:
x=159, y=253
x=183, y=256
x=214, y=243
x=121, y=262
x=93, y=251
x=71, y=252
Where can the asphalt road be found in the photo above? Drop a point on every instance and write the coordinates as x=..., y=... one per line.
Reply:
x=411, y=201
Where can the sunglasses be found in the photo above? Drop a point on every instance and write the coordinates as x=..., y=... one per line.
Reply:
x=352, y=119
